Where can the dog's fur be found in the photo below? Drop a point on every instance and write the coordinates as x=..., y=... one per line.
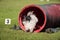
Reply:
x=30, y=25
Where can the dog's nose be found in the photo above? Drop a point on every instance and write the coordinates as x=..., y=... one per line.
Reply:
x=28, y=30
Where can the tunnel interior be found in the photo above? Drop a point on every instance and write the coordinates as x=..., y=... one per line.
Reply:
x=39, y=14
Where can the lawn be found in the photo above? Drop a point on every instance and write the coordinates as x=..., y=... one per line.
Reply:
x=11, y=9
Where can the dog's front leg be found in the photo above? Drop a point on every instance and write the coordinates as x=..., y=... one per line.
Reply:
x=31, y=29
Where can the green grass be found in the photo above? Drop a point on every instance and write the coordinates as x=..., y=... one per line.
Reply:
x=11, y=9
x=10, y=34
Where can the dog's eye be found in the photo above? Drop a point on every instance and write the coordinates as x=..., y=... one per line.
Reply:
x=28, y=18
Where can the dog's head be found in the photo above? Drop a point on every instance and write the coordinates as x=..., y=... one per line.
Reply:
x=26, y=18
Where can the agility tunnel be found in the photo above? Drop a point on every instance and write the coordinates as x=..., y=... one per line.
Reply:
x=48, y=16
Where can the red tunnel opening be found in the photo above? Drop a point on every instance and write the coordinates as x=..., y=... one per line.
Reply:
x=40, y=14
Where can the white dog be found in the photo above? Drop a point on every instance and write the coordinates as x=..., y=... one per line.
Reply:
x=30, y=25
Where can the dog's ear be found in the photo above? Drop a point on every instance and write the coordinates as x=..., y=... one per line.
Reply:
x=28, y=18
x=24, y=17
x=29, y=13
